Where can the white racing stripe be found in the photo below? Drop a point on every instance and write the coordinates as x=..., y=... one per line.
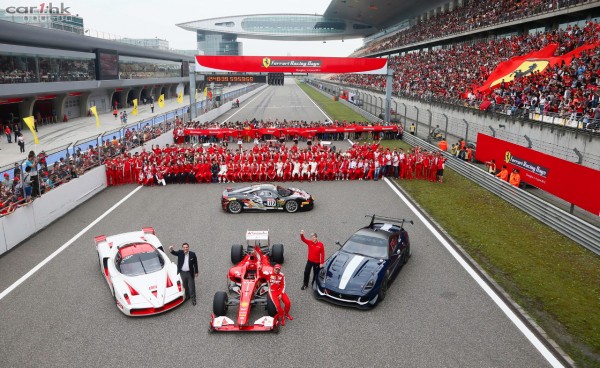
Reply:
x=349, y=271
x=64, y=246
x=492, y=294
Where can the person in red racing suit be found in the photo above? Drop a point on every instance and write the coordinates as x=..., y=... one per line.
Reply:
x=277, y=294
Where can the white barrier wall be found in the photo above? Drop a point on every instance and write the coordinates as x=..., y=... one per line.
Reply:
x=30, y=219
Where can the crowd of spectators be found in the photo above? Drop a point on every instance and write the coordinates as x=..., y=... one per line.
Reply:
x=21, y=185
x=472, y=15
x=453, y=74
x=36, y=69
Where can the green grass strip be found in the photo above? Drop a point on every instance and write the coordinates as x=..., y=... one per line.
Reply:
x=335, y=109
x=554, y=279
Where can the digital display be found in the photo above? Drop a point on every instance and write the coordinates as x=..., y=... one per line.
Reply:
x=107, y=64
x=226, y=78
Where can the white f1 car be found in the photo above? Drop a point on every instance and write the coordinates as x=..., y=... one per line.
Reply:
x=141, y=277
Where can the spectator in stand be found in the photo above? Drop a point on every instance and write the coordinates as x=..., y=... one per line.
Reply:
x=7, y=183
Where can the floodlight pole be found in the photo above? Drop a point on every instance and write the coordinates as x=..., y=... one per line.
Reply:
x=192, y=109
x=388, y=94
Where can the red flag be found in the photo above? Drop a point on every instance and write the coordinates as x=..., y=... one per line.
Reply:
x=536, y=61
x=568, y=57
x=519, y=66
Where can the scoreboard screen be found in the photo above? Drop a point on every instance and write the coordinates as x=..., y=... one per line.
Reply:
x=231, y=78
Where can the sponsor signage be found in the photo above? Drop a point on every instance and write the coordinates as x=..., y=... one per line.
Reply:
x=567, y=180
x=287, y=64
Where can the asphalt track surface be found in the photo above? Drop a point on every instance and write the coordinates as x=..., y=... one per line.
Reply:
x=435, y=315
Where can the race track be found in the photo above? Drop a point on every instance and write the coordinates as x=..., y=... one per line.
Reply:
x=435, y=314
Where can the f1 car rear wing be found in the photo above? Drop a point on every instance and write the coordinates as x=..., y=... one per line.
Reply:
x=392, y=220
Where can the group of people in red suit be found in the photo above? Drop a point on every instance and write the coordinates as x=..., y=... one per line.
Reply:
x=271, y=162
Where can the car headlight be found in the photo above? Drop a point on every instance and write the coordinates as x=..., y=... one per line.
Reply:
x=369, y=285
x=322, y=274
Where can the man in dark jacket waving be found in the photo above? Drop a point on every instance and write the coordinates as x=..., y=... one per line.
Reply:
x=187, y=267
x=316, y=257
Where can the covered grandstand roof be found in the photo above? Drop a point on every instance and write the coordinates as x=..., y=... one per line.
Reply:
x=380, y=13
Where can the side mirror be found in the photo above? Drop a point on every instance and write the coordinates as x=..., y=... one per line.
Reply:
x=338, y=243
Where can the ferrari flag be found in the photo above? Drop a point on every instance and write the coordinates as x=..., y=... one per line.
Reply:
x=95, y=113
x=31, y=124
x=525, y=65
x=161, y=101
x=180, y=97
x=135, y=109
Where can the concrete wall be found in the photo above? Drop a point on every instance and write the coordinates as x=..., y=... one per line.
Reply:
x=30, y=219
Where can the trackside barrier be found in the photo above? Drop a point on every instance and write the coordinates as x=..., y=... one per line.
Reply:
x=27, y=220
x=571, y=226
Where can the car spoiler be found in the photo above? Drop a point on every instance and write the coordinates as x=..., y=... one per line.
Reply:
x=388, y=219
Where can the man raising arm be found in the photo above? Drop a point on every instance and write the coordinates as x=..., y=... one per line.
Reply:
x=316, y=257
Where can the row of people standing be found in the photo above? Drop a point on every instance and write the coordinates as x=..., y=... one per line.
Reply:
x=181, y=164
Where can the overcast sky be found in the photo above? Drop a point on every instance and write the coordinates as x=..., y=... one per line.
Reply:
x=157, y=18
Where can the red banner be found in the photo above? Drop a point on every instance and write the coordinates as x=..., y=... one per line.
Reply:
x=567, y=180
x=290, y=64
x=278, y=132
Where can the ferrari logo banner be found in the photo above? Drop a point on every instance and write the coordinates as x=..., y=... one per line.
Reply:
x=290, y=64
x=525, y=65
x=548, y=173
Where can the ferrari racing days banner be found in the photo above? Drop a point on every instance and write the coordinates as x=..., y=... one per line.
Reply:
x=290, y=64
x=567, y=180
x=278, y=132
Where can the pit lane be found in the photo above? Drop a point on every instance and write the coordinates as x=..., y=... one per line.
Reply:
x=434, y=314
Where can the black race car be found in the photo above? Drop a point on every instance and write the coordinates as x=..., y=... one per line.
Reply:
x=358, y=275
x=264, y=197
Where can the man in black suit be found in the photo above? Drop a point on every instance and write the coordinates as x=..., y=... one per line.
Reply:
x=187, y=267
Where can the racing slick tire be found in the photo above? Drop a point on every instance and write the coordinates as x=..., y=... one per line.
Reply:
x=277, y=254
x=271, y=309
x=234, y=207
x=291, y=206
x=220, y=303
x=237, y=253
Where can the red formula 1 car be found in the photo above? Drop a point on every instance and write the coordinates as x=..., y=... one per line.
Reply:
x=248, y=288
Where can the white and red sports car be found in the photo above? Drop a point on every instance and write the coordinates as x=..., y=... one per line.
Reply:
x=141, y=277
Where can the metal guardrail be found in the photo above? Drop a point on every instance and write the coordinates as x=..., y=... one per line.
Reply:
x=569, y=225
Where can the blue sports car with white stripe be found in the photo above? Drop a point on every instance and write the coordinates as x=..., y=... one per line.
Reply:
x=359, y=274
